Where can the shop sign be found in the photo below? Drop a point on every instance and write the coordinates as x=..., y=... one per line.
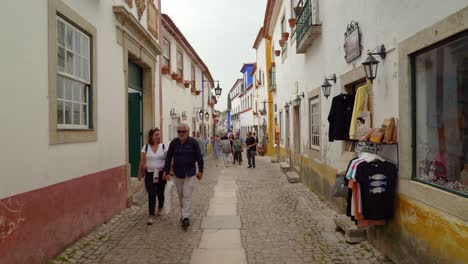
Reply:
x=352, y=46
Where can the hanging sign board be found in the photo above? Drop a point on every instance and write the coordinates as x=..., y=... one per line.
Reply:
x=352, y=46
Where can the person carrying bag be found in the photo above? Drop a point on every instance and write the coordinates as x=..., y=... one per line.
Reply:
x=151, y=166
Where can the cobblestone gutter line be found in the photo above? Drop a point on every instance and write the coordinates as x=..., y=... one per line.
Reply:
x=127, y=239
x=287, y=223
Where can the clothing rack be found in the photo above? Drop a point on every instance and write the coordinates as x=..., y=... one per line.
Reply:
x=376, y=148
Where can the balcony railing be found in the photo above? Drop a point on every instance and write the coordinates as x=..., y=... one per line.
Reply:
x=307, y=26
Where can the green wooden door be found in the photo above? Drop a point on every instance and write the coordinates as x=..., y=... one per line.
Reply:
x=134, y=131
x=135, y=116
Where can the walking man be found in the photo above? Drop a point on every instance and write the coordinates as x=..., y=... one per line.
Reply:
x=251, y=144
x=184, y=152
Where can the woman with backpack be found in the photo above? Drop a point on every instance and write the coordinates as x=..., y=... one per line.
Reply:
x=151, y=166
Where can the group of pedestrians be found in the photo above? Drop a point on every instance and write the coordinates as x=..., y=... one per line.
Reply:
x=178, y=162
x=230, y=148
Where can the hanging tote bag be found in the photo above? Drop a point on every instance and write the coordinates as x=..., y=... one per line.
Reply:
x=363, y=121
x=168, y=196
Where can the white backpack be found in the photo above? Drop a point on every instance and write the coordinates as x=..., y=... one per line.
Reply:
x=226, y=146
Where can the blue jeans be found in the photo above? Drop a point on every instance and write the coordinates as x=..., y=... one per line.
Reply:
x=251, y=157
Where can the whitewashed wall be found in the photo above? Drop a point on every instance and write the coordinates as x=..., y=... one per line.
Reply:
x=180, y=98
x=381, y=22
x=27, y=160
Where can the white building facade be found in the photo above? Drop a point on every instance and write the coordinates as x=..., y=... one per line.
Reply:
x=234, y=93
x=187, y=85
x=68, y=155
x=314, y=49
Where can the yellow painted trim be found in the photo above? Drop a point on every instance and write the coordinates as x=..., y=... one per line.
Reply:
x=444, y=234
x=271, y=125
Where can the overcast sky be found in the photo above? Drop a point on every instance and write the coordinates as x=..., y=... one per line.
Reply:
x=222, y=32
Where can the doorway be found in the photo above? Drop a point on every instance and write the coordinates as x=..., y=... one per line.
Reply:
x=135, y=116
x=297, y=130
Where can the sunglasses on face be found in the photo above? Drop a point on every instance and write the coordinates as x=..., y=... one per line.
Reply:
x=181, y=131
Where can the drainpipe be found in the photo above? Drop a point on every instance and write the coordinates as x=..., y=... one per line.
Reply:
x=202, y=132
x=160, y=79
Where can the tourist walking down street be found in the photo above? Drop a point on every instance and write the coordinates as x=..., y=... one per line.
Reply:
x=216, y=146
x=184, y=152
x=151, y=166
x=237, y=148
x=226, y=150
x=201, y=144
x=251, y=144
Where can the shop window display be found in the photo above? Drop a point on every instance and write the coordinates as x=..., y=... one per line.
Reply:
x=440, y=116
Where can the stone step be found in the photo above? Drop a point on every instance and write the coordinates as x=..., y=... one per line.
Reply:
x=353, y=234
x=284, y=166
x=293, y=177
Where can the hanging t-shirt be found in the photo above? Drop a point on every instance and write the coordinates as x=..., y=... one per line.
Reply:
x=359, y=102
x=377, y=181
x=339, y=117
x=154, y=160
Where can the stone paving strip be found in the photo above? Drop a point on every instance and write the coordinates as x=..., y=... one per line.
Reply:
x=221, y=238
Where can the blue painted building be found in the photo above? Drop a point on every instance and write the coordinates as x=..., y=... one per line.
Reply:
x=246, y=71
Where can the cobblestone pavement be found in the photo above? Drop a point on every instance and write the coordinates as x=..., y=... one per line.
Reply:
x=286, y=223
x=281, y=223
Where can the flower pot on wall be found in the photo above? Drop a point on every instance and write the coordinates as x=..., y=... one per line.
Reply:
x=273, y=64
x=165, y=70
x=197, y=92
x=298, y=10
x=175, y=76
x=261, y=150
x=285, y=36
x=277, y=53
x=292, y=22
x=282, y=43
x=187, y=84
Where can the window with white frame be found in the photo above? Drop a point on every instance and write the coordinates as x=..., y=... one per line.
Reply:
x=193, y=75
x=314, y=117
x=180, y=64
x=73, y=76
x=166, y=53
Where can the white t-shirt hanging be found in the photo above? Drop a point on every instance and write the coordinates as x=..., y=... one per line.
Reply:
x=154, y=160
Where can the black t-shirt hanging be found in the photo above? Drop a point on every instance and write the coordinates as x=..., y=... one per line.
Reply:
x=339, y=117
x=377, y=181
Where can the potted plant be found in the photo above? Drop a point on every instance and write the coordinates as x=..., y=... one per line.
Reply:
x=175, y=76
x=277, y=53
x=292, y=22
x=273, y=64
x=197, y=92
x=282, y=42
x=298, y=10
x=285, y=35
x=165, y=69
x=187, y=84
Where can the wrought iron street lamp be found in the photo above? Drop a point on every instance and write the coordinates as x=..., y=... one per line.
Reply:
x=200, y=114
x=207, y=116
x=184, y=115
x=218, y=89
x=326, y=86
x=286, y=106
x=298, y=99
x=371, y=64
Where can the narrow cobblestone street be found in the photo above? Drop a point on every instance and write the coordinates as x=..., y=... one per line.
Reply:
x=279, y=223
